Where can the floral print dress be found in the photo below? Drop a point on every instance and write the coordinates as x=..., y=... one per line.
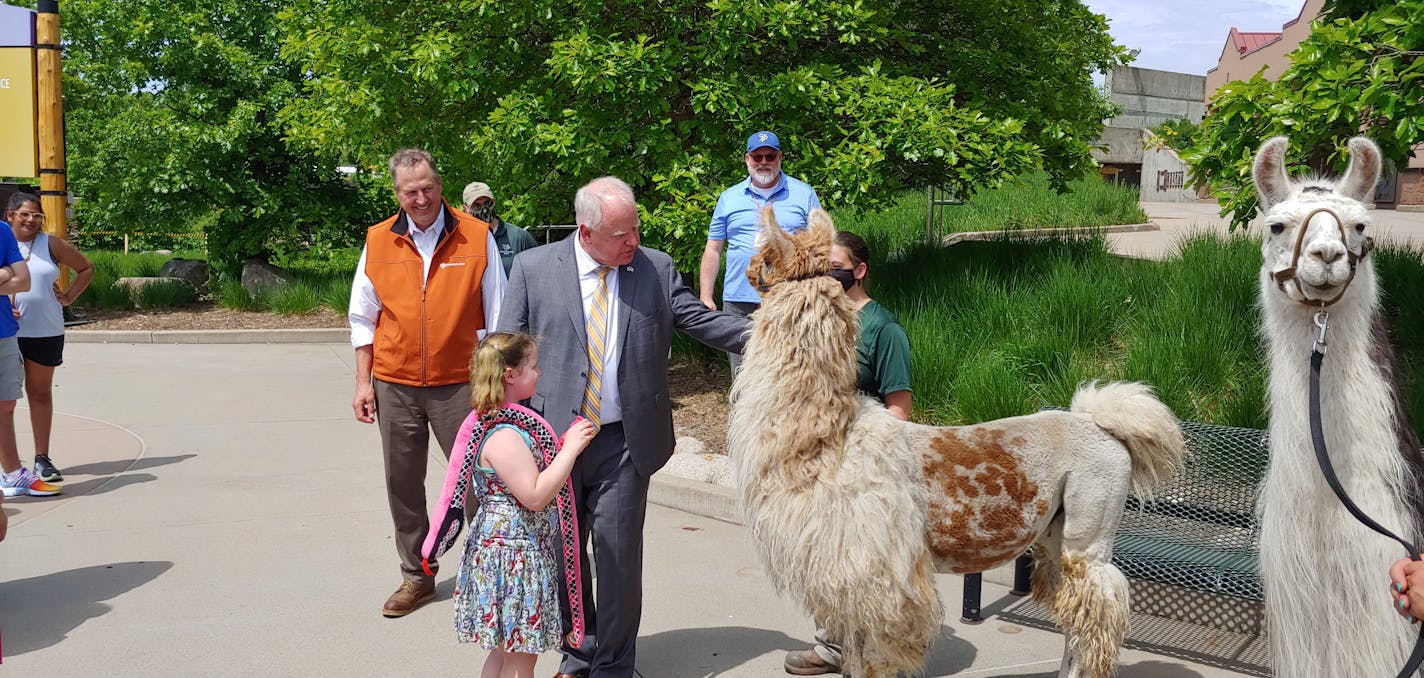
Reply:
x=507, y=590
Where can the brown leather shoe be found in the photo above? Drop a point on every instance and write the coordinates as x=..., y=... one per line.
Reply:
x=808, y=663
x=407, y=598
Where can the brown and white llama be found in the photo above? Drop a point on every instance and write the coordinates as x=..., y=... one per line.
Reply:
x=853, y=511
x=1325, y=575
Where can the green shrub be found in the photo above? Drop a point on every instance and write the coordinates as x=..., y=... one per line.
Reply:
x=336, y=294
x=295, y=299
x=102, y=293
x=109, y=267
x=230, y=294
x=165, y=294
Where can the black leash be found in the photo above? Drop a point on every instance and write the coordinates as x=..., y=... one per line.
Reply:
x=1317, y=439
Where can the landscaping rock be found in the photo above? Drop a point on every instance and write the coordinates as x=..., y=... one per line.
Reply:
x=259, y=276
x=135, y=285
x=708, y=468
x=194, y=271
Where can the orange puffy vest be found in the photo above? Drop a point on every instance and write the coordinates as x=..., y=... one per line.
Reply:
x=426, y=333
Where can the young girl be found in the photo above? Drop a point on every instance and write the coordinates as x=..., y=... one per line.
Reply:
x=506, y=592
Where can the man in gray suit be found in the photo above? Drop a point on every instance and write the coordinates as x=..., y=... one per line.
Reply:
x=599, y=283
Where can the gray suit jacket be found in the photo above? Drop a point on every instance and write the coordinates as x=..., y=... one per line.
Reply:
x=543, y=299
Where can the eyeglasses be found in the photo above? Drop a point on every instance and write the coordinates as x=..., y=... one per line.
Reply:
x=23, y=214
x=764, y=157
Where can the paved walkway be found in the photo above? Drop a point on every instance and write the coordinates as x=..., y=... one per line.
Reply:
x=224, y=516
x=1179, y=220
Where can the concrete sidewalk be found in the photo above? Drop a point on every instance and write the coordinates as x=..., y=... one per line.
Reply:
x=225, y=516
x=1179, y=220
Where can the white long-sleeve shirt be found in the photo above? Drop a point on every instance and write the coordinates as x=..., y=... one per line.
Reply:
x=365, y=306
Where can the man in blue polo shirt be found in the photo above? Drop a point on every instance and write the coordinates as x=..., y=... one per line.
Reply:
x=734, y=225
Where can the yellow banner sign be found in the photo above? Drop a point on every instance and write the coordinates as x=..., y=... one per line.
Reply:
x=19, y=146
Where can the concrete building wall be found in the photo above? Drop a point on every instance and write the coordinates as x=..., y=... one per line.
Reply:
x=1410, y=189
x=1150, y=97
x=1164, y=177
x=1124, y=146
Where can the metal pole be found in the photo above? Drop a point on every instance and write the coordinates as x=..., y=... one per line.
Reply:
x=1023, y=575
x=48, y=73
x=929, y=215
x=973, y=587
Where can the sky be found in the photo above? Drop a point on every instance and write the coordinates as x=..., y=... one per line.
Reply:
x=1186, y=36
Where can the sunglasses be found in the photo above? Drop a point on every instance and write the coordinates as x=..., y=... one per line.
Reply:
x=24, y=214
x=764, y=157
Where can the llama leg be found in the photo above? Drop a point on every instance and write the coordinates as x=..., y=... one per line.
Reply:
x=1046, y=576
x=1091, y=599
x=1093, y=607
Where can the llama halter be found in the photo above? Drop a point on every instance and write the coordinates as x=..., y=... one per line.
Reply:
x=1288, y=274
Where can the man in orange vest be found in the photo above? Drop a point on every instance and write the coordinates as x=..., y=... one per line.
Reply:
x=424, y=293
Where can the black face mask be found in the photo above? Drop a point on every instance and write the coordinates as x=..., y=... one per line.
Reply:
x=484, y=212
x=845, y=276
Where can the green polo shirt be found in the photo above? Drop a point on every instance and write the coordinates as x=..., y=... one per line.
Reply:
x=882, y=353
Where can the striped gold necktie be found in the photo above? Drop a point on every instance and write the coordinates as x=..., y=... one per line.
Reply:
x=597, y=343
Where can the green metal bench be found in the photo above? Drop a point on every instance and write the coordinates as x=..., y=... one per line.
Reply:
x=1199, y=532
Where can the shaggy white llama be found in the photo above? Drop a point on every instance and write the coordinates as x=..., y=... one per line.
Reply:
x=1324, y=573
x=853, y=510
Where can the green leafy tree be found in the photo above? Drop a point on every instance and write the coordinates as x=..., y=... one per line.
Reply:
x=172, y=124
x=1358, y=72
x=538, y=96
x=1177, y=135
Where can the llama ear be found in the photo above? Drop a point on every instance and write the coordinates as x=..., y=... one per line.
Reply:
x=1269, y=171
x=818, y=223
x=769, y=234
x=1363, y=172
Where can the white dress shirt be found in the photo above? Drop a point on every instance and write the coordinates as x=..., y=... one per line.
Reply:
x=365, y=307
x=610, y=406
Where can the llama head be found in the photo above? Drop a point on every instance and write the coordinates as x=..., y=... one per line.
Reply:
x=782, y=256
x=1316, y=230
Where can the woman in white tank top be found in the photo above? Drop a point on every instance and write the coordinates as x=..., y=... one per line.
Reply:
x=41, y=315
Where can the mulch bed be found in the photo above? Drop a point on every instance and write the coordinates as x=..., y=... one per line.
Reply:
x=205, y=316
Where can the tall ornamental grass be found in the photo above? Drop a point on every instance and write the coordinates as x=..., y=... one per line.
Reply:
x=1026, y=203
x=1006, y=327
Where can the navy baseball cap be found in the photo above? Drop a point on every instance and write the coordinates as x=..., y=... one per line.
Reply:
x=763, y=138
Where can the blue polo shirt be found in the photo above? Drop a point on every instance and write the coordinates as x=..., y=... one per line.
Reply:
x=735, y=221
x=9, y=254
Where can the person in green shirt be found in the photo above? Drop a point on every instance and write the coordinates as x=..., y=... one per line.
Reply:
x=883, y=350
x=882, y=355
x=511, y=239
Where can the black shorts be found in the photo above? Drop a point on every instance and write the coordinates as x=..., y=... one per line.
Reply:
x=47, y=351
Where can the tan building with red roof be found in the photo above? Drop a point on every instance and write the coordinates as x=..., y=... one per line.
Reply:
x=1246, y=53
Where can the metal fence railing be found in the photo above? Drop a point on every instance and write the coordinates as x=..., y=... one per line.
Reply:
x=938, y=199
x=547, y=233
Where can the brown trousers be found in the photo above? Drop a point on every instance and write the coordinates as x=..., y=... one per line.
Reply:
x=406, y=416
